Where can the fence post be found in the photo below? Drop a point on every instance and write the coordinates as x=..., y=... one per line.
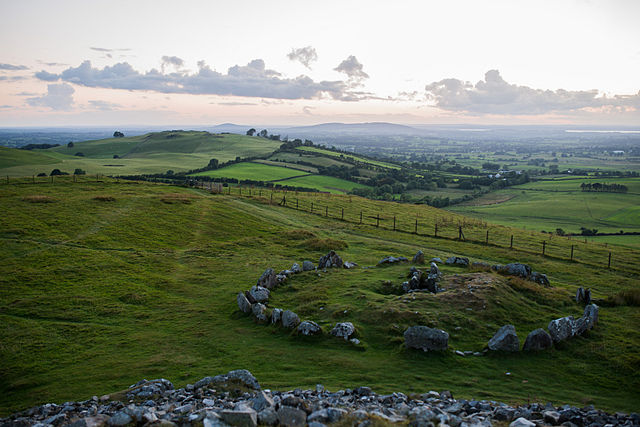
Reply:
x=486, y=239
x=311, y=207
x=394, y=223
x=609, y=264
x=571, y=252
x=240, y=188
x=7, y=179
x=459, y=232
x=377, y=220
x=270, y=200
x=326, y=211
x=342, y=214
x=415, y=229
x=52, y=179
x=435, y=234
x=511, y=245
x=296, y=203
x=544, y=245
x=360, y=217
x=34, y=179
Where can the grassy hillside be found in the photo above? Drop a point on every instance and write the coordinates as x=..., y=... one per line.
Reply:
x=105, y=283
x=360, y=159
x=151, y=153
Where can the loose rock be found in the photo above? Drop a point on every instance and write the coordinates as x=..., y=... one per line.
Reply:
x=537, y=340
x=332, y=259
x=454, y=260
x=290, y=320
x=243, y=303
x=426, y=339
x=268, y=279
x=308, y=328
x=259, y=294
x=308, y=266
x=505, y=339
x=343, y=330
x=418, y=258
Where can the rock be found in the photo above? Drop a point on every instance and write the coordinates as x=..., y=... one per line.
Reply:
x=276, y=316
x=308, y=328
x=120, y=418
x=551, y=417
x=259, y=294
x=418, y=258
x=243, y=303
x=307, y=266
x=480, y=265
x=522, y=422
x=147, y=389
x=392, y=260
x=290, y=320
x=343, y=330
x=349, y=265
x=540, y=279
x=268, y=416
x=262, y=401
x=354, y=341
x=454, y=260
x=291, y=417
x=517, y=269
x=434, y=269
x=426, y=339
x=583, y=296
x=327, y=415
x=561, y=329
x=505, y=339
x=332, y=259
x=295, y=268
x=436, y=260
x=243, y=418
x=260, y=312
x=537, y=340
x=240, y=377
x=591, y=315
x=268, y=279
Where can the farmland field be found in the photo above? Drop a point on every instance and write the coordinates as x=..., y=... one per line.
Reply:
x=323, y=183
x=348, y=156
x=252, y=171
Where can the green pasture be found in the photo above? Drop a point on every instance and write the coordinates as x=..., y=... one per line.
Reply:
x=291, y=157
x=106, y=283
x=348, y=156
x=253, y=171
x=323, y=183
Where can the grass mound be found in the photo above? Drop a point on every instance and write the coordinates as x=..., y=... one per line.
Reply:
x=299, y=234
x=324, y=244
x=38, y=199
x=105, y=198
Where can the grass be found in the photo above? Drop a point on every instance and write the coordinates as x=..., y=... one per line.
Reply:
x=253, y=171
x=359, y=159
x=328, y=184
x=95, y=296
x=151, y=153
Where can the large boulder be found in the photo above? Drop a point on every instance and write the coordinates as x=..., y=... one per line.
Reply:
x=259, y=294
x=343, y=330
x=392, y=260
x=537, y=340
x=290, y=320
x=276, y=316
x=232, y=379
x=289, y=416
x=591, y=315
x=308, y=328
x=540, y=278
x=418, y=258
x=561, y=329
x=241, y=418
x=517, y=269
x=243, y=303
x=505, y=339
x=295, y=268
x=307, y=266
x=583, y=296
x=332, y=259
x=455, y=260
x=426, y=339
x=268, y=279
x=260, y=312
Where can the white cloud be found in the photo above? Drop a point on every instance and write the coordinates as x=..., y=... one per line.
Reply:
x=171, y=61
x=58, y=97
x=304, y=55
x=353, y=69
x=11, y=67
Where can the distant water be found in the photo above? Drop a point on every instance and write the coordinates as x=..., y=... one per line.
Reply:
x=601, y=131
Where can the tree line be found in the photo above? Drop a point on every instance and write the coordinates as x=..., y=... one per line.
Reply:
x=604, y=187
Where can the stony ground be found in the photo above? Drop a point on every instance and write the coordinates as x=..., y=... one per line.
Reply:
x=236, y=399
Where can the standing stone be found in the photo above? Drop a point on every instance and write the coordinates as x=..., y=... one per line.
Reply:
x=343, y=330
x=291, y=417
x=268, y=279
x=260, y=312
x=259, y=293
x=243, y=303
x=591, y=315
x=505, y=339
x=307, y=266
x=426, y=339
x=262, y=401
x=418, y=258
x=434, y=269
x=290, y=320
x=561, y=329
x=332, y=259
x=583, y=296
x=309, y=327
x=540, y=279
x=295, y=268
x=537, y=340
x=276, y=315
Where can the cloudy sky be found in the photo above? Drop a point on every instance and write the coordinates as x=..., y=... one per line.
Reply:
x=277, y=62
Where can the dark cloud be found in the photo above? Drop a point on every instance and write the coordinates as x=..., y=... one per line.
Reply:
x=11, y=67
x=103, y=105
x=47, y=76
x=353, y=69
x=174, y=61
x=12, y=78
x=251, y=80
x=494, y=95
x=58, y=97
x=304, y=55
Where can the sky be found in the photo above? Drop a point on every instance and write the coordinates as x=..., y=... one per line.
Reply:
x=300, y=62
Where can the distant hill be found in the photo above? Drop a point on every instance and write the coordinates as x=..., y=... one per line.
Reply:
x=373, y=128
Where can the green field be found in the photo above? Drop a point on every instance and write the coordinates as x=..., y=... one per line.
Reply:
x=253, y=171
x=151, y=153
x=105, y=283
x=286, y=156
x=348, y=156
x=323, y=183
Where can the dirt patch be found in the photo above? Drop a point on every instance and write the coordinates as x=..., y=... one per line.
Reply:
x=469, y=290
x=38, y=199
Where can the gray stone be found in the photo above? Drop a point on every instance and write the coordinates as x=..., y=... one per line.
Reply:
x=522, y=422
x=259, y=294
x=291, y=417
x=276, y=316
x=591, y=315
x=308, y=328
x=561, y=329
x=392, y=260
x=551, y=417
x=426, y=339
x=537, y=340
x=327, y=415
x=241, y=376
x=307, y=266
x=349, y=265
x=316, y=424
x=243, y=303
x=243, y=418
x=332, y=259
x=290, y=320
x=434, y=269
x=268, y=416
x=262, y=401
x=418, y=258
x=354, y=341
x=295, y=268
x=583, y=296
x=260, y=312
x=268, y=279
x=505, y=339
x=540, y=279
x=517, y=269
x=454, y=260
x=343, y=330
x=120, y=418
x=436, y=260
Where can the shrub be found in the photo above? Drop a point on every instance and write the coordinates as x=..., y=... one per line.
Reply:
x=630, y=297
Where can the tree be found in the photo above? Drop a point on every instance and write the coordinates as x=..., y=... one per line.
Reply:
x=251, y=132
x=118, y=134
x=263, y=133
x=213, y=163
x=79, y=154
x=79, y=171
x=57, y=172
x=70, y=145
